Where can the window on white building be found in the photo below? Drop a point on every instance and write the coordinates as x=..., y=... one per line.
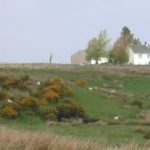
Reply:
x=148, y=56
x=140, y=55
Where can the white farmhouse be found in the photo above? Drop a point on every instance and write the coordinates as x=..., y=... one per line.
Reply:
x=139, y=55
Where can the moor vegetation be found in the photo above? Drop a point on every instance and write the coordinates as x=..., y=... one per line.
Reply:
x=15, y=140
x=52, y=100
x=87, y=103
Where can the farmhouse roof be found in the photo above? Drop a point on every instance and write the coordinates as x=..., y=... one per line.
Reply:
x=140, y=49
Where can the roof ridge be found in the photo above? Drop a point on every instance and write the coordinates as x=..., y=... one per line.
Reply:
x=140, y=49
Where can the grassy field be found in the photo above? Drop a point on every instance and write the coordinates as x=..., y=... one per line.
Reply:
x=128, y=85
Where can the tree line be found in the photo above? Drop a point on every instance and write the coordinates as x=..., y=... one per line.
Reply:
x=100, y=47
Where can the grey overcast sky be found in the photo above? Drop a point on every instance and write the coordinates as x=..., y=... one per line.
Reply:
x=32, y=29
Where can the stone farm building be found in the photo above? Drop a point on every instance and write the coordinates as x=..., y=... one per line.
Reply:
x=79, y=58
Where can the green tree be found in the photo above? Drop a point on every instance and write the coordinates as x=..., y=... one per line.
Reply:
x=137, y=41
x=126, y=36
x=120, y=50
x=120, y=53
x=97, y=47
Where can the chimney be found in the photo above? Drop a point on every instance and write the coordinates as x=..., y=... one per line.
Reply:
x=145, y=44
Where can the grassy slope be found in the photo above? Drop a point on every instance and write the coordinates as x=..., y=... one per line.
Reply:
x=97, y=104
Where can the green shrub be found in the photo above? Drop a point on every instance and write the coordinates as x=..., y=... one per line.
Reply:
x=2, y=79
x=68, y=92
x=68, y=101
x=14, y=105
x=69, y=110
x=30, y=112
x=138, y=103
x=42, y=102
x=147, y=136
x=24, y=78
x=11, y=82
x=49, y=114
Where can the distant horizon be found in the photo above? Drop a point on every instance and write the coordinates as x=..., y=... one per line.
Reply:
x=27, y=62
x=33, y=29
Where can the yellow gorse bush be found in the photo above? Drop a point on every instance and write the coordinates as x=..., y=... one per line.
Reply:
x=80, y=83
x=9, y=112
x=11, y=82
x=50, y=95
x=3, y=94
x=42, y=102
x=28, y=103
x=56, y=89
x=37, y=100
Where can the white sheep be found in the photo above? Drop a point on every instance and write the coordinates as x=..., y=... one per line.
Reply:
x=38, y=83
x=90, y=89
x=116, y=118
x=112, y=91
x=9, y=101
x=96, y=88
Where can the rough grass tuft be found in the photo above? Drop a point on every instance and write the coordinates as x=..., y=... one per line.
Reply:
x=14, y=140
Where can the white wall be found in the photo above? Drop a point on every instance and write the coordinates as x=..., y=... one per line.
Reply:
x=103, y=60
x=100, y=61
x=131, y=57
x=143, y=60
x=139, y=58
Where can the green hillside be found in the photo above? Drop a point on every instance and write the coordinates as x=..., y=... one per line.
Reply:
x=114, y=93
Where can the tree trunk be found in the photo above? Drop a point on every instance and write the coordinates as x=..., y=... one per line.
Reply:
x=96, y=61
